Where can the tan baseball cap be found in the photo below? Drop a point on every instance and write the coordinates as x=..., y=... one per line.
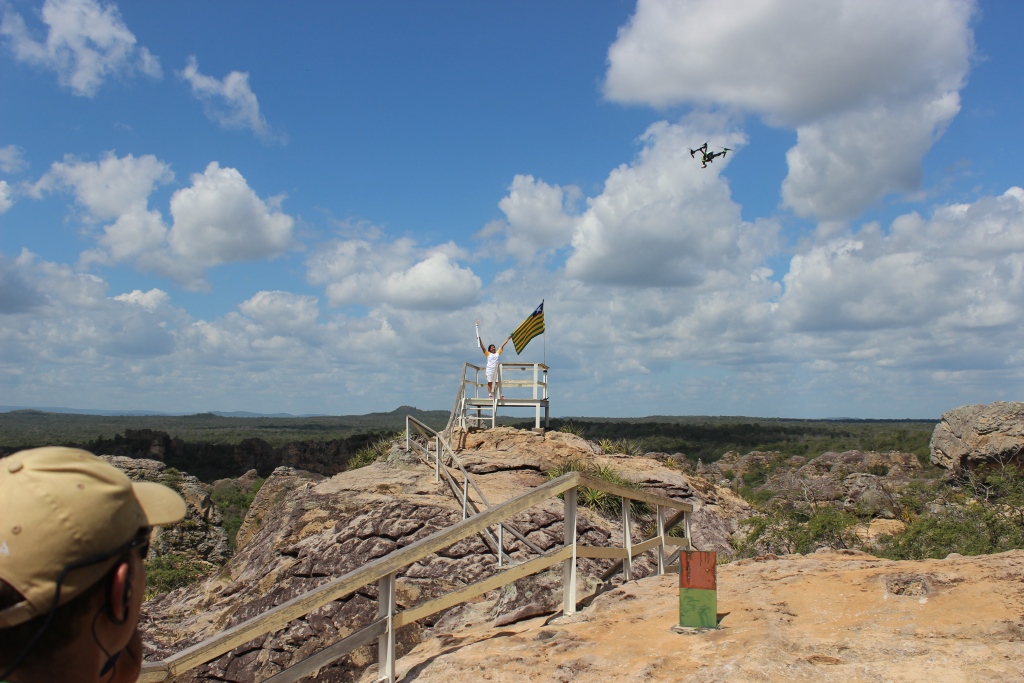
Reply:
x=61, y=506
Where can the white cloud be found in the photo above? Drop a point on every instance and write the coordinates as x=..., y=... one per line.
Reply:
x=12, y=159
x=216, y=220
x=111, y=187
x=908, y=319
x=961, y=270
x=374, y=271
x=664, y=220
x=230, y=102
x=844, y=163
x=868, y=84
x=219, y=219
x=538, y=217
x=86, y=44
x=151, y=300
x=6, y=201
x=282, y=312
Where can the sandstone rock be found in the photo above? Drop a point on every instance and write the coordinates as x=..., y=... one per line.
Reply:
x=827, y=617
x=975, y=434
x=303, y=529
x=200, y=534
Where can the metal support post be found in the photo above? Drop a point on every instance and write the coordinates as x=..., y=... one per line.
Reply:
x=661, y=535
x=465, y=498
x=627, y=542
x=501, y=545
x=437, y=459
x=569, y=565
x=386, y=642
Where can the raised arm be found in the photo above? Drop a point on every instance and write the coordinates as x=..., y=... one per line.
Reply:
x=503, y=343
x=478, y=339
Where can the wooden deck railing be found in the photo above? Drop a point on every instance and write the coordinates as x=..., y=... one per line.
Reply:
x=384, y=571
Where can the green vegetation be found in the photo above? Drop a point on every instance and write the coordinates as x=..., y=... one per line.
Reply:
x=977, y=512
x=166, y=572
x=372, y=451
x=595, y=499
x=981, y=512
x=571, y=427
x=234, y=501
x=21, y=429
x=708, y=438
x=783, y=532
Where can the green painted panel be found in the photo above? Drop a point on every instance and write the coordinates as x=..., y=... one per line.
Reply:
x=698, y=608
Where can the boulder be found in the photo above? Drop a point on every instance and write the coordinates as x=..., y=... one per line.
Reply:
x=971, y=435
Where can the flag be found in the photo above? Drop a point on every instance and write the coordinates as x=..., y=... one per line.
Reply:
x=530, y=328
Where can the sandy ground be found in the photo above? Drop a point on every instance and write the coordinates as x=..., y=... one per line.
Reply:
x=822, y=617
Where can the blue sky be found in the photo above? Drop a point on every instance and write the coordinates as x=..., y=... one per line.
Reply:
x=303, y=207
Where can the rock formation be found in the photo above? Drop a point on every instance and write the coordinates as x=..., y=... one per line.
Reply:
x=826, y=617
x=303, y=529
x=976, y=434
x=201, y=534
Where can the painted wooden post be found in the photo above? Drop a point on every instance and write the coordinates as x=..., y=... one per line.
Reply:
x=698, y=590
x=661, y=535
x=569, y=565
x=627, y=542
x=386, y=642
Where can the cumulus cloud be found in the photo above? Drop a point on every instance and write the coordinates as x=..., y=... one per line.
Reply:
x=663, y=220
x=538, y=218
x=18, y=293
x=282, y=312
x=151, y=300
x=110, y=187
x=12, y=159
x=398, y=273
x=75, y=324
x=86, y=44
x=6, y=201
x=831, y=70
x=218, y=219
x=962, y=269
x=230, y=101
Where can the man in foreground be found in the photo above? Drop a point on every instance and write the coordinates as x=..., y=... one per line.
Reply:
x=74, y=531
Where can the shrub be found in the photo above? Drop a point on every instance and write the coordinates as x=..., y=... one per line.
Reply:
x=371, y=452
x=605, y=503
x=574, y=428
x=166, y=572
x=784, y=532
x=627, y=446
x=234, y=503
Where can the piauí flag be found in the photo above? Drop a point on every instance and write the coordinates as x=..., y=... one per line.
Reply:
x=530, y=328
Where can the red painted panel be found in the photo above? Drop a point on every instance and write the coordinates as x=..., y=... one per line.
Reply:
x=697, y=570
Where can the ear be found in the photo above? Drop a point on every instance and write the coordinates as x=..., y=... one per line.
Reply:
x=120, y=595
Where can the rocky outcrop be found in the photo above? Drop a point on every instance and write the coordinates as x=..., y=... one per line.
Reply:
x=828, y=617
x=201, y=534
x=971, y=435
x=303, y=530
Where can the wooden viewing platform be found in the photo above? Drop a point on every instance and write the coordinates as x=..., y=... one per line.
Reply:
x=516, y=385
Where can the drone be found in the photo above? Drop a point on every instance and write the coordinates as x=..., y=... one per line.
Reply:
x=707, y=157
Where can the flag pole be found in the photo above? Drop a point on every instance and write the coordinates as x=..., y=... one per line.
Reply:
x=545, y=335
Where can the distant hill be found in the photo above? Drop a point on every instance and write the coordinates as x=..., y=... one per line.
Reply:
x=23, y=427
